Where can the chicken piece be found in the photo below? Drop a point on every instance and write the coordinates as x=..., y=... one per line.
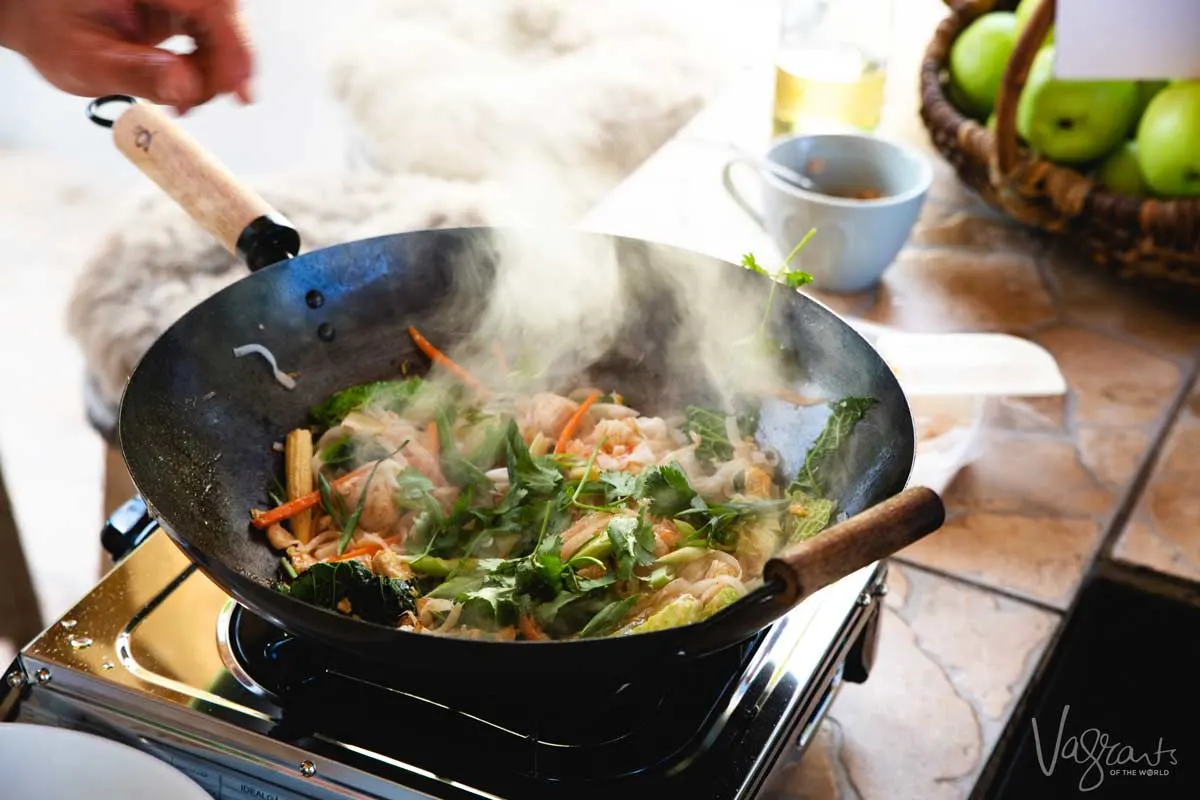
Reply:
x=758, y=483
x=544, y=413
x=279, y=537
x=389, y=564
x=301, y=561
x=582, y=532
x=379, y=512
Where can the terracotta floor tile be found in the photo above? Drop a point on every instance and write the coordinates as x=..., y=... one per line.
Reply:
x=949, y=226
x=1040, y=557
x=1033, y=414
x=1112, y=383
x=950, y=659
x=1113, y=306
x=940, y=290
x=1164, y=533
x=1113, y=454
x=1032, y=476
x=1144, y=546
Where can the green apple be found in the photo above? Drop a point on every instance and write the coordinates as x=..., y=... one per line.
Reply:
x=1121, y=172
x=1073, y=122
x=1168, y=141
x=1024, y=11
x=1146, y=92
x=978, y=58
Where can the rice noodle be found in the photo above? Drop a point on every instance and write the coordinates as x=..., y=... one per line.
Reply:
x=285, y=380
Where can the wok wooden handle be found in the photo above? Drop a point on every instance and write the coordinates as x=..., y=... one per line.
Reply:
x=861, y=540
x=235, y=215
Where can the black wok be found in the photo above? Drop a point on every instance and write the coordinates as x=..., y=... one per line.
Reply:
x=197, y=426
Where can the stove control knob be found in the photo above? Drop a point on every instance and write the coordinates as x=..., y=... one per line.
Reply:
x=308, y=769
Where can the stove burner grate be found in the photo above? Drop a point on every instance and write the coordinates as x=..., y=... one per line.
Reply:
x=547, y=727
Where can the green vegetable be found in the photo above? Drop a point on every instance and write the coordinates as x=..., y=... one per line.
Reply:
x=458, y=469
x=598, y=547
x=389, y=395
x=331, y=501
x=632, y=543
x=794, y=279
x=618, y=486
x=537, y=475
x=818, y=513
x=372, y=598
x=821, y=457
x=352, y=521
x=288, y=568
x=724, y=597
x=683, y=610
x=341, y=451
x=668, y=490
x=660, y=578
x=438, y=567
x=709, y=425
x=683, y=555
x=609, y=617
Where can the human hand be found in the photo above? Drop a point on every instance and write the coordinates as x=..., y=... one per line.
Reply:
x=97, y=47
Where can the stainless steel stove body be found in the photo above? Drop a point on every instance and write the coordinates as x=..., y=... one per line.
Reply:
x=158, y=657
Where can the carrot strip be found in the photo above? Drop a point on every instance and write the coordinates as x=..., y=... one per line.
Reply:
x=265, y=519
x=572, y=425
x=366, y=550
x=530, y=630
x=433, y=444
x=440, y=358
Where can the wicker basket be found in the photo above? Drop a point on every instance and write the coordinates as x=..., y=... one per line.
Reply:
x=1154, y=242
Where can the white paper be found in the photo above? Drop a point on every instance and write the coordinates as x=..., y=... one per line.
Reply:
x=1126, y=40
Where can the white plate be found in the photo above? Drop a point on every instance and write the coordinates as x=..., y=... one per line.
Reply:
x=38, y=762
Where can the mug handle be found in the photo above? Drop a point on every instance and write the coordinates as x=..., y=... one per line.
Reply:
x=735, y=193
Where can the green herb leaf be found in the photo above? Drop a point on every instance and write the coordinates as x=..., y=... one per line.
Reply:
x=372, y=598
x=390, y=395
x=618, y=486
x=632, y=543
x=331, y=501
x=339, y=452
x=609, y=617
x=352, y=521
x=540, y=476
x=668, y=490
x=751, y=263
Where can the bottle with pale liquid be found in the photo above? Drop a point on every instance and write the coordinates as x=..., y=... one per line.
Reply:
x=830, y=65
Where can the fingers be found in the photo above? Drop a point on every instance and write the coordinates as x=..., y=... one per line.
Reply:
x=102, y=65
x=222, y=56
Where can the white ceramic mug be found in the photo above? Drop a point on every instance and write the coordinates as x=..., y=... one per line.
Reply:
x=856, y=240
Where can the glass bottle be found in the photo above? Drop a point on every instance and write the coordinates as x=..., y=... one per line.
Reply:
x=830, y=65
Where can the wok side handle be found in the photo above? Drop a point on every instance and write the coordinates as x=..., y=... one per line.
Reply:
x=865, y=538
x=234, y=214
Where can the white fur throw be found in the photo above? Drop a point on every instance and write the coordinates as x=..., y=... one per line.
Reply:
x=469, y=111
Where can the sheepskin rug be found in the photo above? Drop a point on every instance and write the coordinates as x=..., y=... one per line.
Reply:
x=464, y=113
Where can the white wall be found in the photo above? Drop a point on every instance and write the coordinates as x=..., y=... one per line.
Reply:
x=293, y=125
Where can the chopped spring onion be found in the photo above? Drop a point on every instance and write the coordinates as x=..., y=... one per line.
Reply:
x=285, y=380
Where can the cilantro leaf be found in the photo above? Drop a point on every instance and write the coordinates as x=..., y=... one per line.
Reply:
x=751, y=263
x=632, y=543
x=539, y=475
x=608, y=617
x=618, y=485
x=390, y=395
x=668, y=490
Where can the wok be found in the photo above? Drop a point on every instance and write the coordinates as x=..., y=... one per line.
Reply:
x=197, y=426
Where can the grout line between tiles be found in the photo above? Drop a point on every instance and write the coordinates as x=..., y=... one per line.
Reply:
x=975, y=583
x=1100, y=565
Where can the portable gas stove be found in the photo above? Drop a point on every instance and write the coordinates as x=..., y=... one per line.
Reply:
x=158, y=657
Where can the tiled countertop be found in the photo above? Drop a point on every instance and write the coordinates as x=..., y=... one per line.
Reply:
x=973, y=607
